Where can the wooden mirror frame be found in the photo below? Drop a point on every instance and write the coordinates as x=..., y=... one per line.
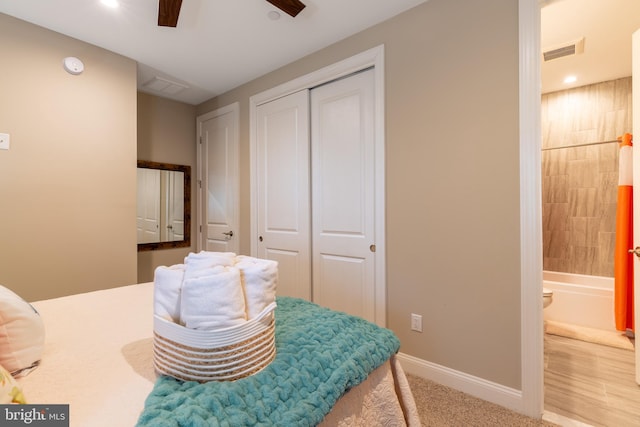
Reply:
x=187, y=206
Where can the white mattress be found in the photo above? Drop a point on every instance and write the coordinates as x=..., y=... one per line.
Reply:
x=98, y=359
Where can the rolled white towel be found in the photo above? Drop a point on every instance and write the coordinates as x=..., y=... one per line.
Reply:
x=196, y=264
x=207, y=255
x=167, y=283
x=214, y=300
x=259, y=279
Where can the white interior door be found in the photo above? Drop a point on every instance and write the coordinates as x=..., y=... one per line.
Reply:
x=175, y=205
x=343, y=194
x=636, y=184
x=283, y=214
x=148, y=205
x=218, y=179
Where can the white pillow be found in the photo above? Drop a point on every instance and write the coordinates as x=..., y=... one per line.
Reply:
x=21, y=334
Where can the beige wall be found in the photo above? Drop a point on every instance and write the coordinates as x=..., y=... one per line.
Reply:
x=453, y=248
x=167, y=134
x=67, y=185
x=580, y=128
x=452, y=175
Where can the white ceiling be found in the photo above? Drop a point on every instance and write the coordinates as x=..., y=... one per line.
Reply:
x=606, y=25
x=219, y=45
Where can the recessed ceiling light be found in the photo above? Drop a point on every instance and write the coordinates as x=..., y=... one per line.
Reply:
x=110, y=3
x=570, y=79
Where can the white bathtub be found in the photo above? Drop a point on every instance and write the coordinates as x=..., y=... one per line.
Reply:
x=580, y=300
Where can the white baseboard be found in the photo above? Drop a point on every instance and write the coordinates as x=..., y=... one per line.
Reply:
x=478, y=387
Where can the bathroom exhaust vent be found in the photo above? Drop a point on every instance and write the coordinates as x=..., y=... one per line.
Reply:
x=567, y=49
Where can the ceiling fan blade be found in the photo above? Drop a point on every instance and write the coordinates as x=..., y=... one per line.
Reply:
x=292, y=7
x=168, y=12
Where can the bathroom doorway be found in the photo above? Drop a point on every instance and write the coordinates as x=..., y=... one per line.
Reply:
x=581, y=121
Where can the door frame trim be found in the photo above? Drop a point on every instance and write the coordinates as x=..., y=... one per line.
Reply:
x=531, y=327
x=234, y=109
x=373, y=57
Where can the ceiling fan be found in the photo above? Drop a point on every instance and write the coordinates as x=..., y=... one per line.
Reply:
x=169, y=10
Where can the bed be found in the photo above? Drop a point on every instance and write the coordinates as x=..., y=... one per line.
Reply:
x=98, y=358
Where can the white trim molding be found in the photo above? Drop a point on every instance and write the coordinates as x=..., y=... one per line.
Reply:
x=531, y=328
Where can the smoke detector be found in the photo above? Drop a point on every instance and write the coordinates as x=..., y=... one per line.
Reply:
x=574, y=47
x=73, y=65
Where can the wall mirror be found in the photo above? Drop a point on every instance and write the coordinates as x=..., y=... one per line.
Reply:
x=163, y=218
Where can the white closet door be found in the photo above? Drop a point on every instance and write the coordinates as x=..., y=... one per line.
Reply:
x=343, y=189
x=283, y=214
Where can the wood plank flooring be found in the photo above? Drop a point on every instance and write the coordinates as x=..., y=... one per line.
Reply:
x=591, y=383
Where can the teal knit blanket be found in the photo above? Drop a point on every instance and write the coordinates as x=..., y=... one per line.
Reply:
x=321, y=354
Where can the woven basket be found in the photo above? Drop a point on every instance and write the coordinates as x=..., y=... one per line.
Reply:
x=221, y=355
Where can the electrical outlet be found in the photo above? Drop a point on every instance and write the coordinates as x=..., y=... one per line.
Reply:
x=416, y=322
x=4, y=141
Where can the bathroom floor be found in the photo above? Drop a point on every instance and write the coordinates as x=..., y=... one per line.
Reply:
x=592, y=383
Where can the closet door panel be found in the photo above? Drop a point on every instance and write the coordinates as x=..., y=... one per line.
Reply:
x=341, y=283
x=283, y=219
x=343, y=189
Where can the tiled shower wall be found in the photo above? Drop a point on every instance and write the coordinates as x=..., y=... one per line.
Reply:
x=580, y=128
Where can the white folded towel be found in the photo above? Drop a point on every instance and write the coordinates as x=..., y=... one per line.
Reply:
x=196, y=264
x=259, y=279
x=207, y=255
x=214, y=300
x=166, y=291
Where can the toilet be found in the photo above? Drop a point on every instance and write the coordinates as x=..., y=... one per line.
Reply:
x=547, y=297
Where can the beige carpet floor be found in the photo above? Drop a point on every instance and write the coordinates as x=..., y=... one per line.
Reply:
x=597, y=336
x=440, y=406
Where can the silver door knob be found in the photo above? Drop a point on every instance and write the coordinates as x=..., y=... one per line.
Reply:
x=635, y=251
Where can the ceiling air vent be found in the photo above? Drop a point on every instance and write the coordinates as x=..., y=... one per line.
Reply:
x=567, y=49
x=159, y=84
